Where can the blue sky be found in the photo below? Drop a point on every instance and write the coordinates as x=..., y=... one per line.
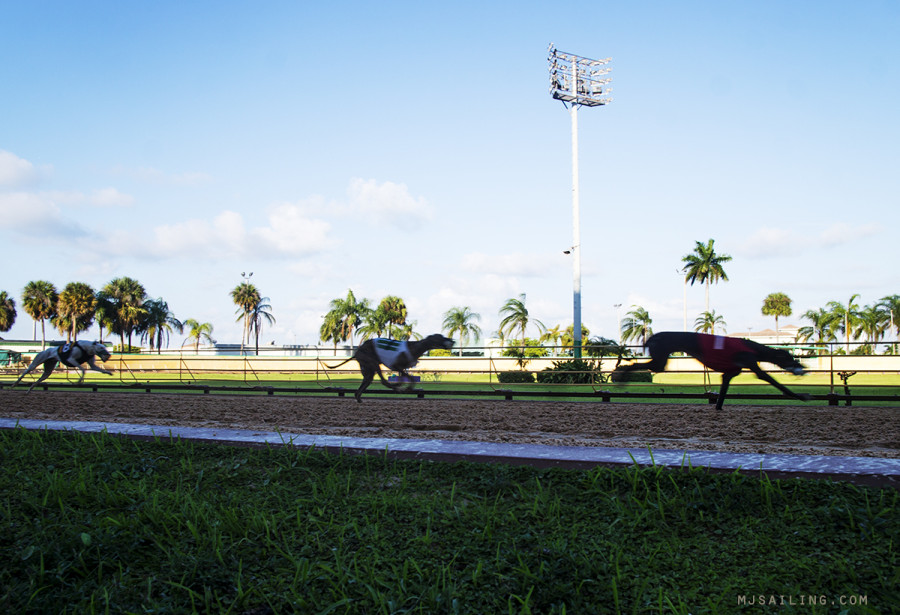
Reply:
x=412, y=149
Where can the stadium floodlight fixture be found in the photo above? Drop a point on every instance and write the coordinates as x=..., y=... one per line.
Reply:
x=577, y=81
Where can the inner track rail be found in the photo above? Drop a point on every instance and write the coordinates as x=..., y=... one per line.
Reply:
x=710, y=397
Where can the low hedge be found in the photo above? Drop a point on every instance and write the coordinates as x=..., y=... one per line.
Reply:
x=515, y=377
x=576, y=371
x=643, y=375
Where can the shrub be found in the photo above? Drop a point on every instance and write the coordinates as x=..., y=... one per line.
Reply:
x=642, y=375
x=533, y=349
x=119, y=349
x=515, y=377
x=440, y=352
x=576, y=371
x=603, y=347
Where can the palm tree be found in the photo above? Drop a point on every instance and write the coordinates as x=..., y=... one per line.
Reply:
x=245, y=296
x=461, y=319
x=39, y=301
x=258, y=315
x=346, y=315
x=704, y=266
x=405, y=332
x=567, y=339
x=197, y=332
x=637, y=325
x=776, y=304
x=553, y=335
x=890, y=305
x=75, y=309
x=822, y=327
x=515, y=316
x=7, y=312
x=708, y=321
x=846, y=317
x=375, y=323
x=331, y=329
x=871, y=325
x=127, y=296
x=394, y=311
x=104, y=313
x=159, y=322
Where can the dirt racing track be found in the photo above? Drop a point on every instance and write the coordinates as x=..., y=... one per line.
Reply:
x=855, y=443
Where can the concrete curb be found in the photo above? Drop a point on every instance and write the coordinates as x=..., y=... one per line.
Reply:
x=871, y=471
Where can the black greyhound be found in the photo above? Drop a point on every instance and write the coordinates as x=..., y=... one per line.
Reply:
x=727, y=355
x=396, y=355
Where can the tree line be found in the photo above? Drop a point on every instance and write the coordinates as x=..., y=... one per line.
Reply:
x=835, y=322
x=123, y=308
x=351, y=320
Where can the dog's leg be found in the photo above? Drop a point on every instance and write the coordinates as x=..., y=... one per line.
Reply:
x=38, y=360
x=762, y=375
x=386, y=382
x=406, y=382
x=27, y=371
x=657, y=363
x=368, y=375
x=726, y=380
x=93, y=365
x=49, y=366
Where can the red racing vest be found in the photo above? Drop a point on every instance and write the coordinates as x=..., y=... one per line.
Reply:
x=717, y=351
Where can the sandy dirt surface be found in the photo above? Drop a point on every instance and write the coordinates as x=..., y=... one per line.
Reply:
x=795, y=429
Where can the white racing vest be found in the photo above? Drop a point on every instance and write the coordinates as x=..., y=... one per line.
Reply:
x=393, y=353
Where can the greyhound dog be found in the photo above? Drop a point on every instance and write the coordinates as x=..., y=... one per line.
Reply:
x=72, y=355
x=400, y=357
x=727, y=355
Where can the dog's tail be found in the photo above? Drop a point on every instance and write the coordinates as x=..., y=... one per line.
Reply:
x=339, y=364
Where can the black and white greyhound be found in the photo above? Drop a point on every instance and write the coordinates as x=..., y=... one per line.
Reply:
x=396, y=355
x=72, y=355
x=727, y=355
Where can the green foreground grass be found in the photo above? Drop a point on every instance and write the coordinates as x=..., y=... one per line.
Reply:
x=95, y=523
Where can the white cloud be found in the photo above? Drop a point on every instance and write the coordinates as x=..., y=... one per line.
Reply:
x=516, y=264
x=110, y=197
x=769, y=242
x=15, y=171
x=292, y=232
x=289, y=233
x=103, y=197
x=387, y=204
x=35, y=215
x=155, y=176
x=841, y=233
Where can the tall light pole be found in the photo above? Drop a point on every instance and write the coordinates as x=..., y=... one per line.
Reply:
x=577, y=81
x=618, y=323
x=680, y=273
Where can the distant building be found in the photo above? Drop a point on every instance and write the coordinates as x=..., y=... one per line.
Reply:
x=785, y=335
x=287, y=350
